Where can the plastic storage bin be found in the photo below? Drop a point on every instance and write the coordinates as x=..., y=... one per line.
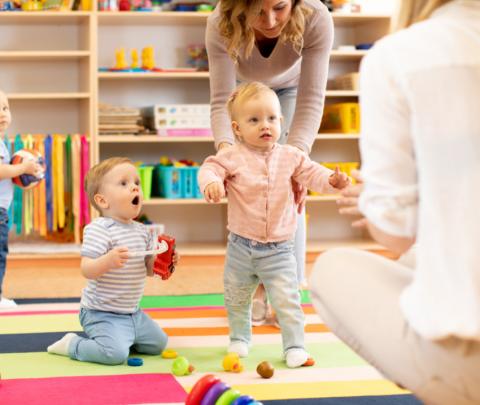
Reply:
x=341, y=118
x=145, y=173
x=167, y=181
x=189, y=179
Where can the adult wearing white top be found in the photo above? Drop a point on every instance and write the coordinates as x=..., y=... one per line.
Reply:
x=286, y=45
x=420, y=143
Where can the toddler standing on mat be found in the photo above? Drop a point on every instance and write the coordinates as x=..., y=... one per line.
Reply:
x=258, y=174
x=7, y=172
x=109, y=307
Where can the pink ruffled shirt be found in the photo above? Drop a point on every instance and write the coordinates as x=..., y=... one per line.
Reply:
x=261, y=203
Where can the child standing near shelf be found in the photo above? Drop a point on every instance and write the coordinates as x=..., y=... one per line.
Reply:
x=262, y=216
x=109, y=307
x=7, y=172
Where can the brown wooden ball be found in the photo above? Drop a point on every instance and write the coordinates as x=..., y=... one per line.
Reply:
x=265, y=369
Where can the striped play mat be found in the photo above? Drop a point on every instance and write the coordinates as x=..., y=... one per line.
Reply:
x=197, y=329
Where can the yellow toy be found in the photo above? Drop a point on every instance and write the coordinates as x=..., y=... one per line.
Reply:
x=231, y=362
x=148, y=58
x=134, y=59
x=120, y=61
x=169, y=354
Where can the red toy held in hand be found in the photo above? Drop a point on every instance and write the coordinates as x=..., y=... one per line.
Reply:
x=163, y=265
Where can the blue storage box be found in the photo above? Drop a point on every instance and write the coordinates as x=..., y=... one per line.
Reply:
x=168, y=182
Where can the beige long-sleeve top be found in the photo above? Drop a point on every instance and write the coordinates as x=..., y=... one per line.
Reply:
x=284, y=68
x=261, y=204
x=420, y=148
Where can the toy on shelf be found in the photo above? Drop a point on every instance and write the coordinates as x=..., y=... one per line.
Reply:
x=210, y=390
x=120, y=60
x=181, y=366
x=148, y=58
x=198, y=56
x=231, y=362
x=27, y=181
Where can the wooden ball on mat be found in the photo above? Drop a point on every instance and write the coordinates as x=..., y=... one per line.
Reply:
x=265, y=369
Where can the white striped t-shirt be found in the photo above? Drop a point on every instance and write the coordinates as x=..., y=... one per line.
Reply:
x=117, y=290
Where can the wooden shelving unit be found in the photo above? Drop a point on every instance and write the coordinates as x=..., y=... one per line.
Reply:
x=78, y=43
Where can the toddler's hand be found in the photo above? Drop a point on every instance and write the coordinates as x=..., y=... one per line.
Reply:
x=30, y=167
x=338, y=179
x=117, y=257
x=214, y=192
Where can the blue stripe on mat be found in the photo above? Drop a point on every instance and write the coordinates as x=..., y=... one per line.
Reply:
x=370, y=400
x=30, y=342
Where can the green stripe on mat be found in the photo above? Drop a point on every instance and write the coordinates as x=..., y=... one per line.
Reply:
x=178, y=301
x=208, y=359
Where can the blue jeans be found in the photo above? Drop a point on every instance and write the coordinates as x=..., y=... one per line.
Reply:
x=3, y=244
x=248, y=263
x=288, y=100
x=111, y=335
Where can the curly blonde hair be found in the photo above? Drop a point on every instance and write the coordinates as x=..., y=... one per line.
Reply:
x=413, y=11
x=236, y=18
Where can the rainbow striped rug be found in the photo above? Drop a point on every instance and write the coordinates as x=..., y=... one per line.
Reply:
x=197, y=329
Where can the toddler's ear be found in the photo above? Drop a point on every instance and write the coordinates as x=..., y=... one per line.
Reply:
x=236, y=129
x=101, y=201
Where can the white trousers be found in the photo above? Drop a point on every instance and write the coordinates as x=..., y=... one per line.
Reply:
x=357, y=295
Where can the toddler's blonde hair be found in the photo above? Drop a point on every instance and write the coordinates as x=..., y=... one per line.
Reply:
x=412, y=11
x=94, y=178
x=245, y=92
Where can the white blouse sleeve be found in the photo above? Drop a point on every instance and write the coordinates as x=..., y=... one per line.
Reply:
x=390, y=197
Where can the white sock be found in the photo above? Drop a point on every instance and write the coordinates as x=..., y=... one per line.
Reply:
x=241, y=348
x=61, y=346
x=296, y=357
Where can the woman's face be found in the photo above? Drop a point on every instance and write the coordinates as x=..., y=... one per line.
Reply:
x=273, y=17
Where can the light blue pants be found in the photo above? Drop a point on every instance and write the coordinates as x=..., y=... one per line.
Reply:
x=248, y=262
x=288, y=100
x=111, y=335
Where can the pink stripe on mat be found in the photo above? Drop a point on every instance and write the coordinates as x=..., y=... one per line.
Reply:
x=93, y=390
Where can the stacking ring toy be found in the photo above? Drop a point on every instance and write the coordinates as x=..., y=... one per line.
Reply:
x=243, y=400
x=214, y=393
x=135, y=362
x=169, y=354
x=227, y=397
x=200, y=388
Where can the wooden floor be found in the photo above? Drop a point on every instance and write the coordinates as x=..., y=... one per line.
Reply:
x=59, y=278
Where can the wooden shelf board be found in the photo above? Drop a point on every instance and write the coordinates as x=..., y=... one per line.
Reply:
x=42, y=55
x=156, y=201
x=43, y=17
x=342, y=93
x=47, y=96
x=343, y=19
x=160, y=17
x=152, y=139
x=347, y=55
x=152, y=75
x=192, y=139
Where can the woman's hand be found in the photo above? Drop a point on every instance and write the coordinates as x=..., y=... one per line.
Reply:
x=214, y=192
x=223, y=145
x=349, y=201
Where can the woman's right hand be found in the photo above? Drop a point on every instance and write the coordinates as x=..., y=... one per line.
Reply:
x=349, y=201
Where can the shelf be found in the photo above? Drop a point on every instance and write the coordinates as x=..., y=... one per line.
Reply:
x=193, y=139
x=44, y=17
x=200, y=201
x=342, y=93
x=152, y=75
x=345, y=19
x=160, y=17
x=47, y=96
x=347, y=56
x=43, y=55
